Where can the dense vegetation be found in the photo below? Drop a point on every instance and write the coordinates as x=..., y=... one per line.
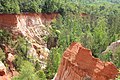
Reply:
x=47, y=6
x=96, y=30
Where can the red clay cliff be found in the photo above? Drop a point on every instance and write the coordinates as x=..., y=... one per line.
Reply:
x=13, y=22
x=79, y=64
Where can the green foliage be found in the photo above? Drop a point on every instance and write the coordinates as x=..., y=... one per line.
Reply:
x=21, y=48
x=21, y=62
x=50, y=6
x=27, y=72
x=53, y=63
x=5, y=37
x=46, y=6
x=112, y=56
x=30, y=6
x=68, y=7
x=90, y=40
x=95, y=31
x=116, y=57
x=37, y=65
x=100, y=36
x=10, y=6
x=17, y=62
x=2, y=55
x=41, y=75
x=106, y=57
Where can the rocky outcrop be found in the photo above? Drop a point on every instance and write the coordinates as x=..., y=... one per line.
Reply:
x=38, y=53
x=113, y=47
x=2, y=69
x=10, y=56
x=3, y=74
x=79, y=64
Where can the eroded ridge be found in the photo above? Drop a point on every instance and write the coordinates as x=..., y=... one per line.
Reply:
x=79, y=64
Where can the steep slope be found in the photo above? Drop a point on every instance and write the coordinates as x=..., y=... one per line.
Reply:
x=32, y=27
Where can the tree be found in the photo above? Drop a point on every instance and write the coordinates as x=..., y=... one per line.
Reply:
x=27, y=72
x=30, y=6
x=100, y=36
x=10, y=6
x=50, y=6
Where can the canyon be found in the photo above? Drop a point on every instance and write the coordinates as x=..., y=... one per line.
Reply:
x=77, y=62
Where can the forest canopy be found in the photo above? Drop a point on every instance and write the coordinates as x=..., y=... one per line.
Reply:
x=47, y=6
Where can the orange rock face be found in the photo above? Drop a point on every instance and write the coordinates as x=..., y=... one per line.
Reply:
x=14, y=22
x=79, y=64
